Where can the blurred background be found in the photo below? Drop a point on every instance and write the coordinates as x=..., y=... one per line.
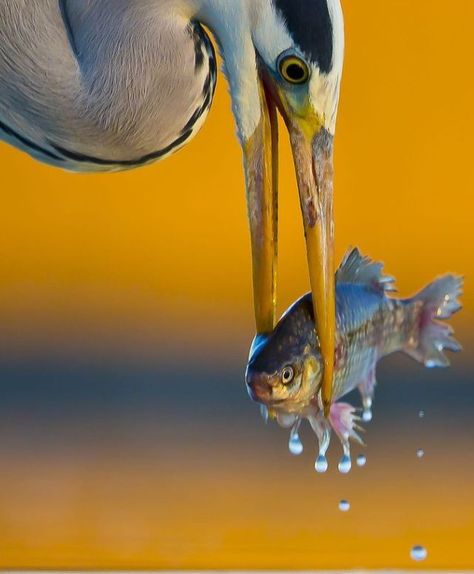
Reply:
x=126, y=436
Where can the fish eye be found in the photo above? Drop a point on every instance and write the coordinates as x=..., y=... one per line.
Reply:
x=293, y=69
x=287, y=375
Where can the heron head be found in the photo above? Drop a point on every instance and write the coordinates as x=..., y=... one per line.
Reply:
x=287, y=56
x=299, y=49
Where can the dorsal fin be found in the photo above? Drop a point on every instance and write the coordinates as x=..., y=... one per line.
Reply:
x=360, y=270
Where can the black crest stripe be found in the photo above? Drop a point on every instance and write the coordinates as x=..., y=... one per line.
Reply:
x=309, y=24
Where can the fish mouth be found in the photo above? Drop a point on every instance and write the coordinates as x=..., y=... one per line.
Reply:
x=259, y=387
x=259, y=393
x=263, y=396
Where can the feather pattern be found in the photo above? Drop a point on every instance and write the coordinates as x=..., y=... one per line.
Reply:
x=112, y=81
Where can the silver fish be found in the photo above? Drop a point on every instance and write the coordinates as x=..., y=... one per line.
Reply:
x=284, y=371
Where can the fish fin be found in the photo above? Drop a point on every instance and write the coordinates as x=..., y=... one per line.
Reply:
x=357, y=269
x=343, y=419
x=439, y=300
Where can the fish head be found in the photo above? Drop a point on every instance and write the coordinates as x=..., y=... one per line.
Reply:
x=284, y=371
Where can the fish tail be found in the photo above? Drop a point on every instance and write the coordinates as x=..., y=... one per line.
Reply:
x=439, y=300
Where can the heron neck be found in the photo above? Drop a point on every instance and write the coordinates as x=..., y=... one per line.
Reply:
x=231, y=23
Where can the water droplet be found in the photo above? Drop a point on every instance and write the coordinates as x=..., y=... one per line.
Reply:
x=361, y=460
x=418, y=553
x=420, y=453
x=367, y=415
x=295, y=445
x=344, y=505
x=421, y=414
x=345, y=464
x=321, y=464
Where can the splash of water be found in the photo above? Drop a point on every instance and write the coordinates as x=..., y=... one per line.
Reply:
x=367, y=415
x=420, y=453
x=345, y=464
x=294, y=444
x=344, y=505
x=361, y=460
x=321, y=464
x=367, y=412
x=418, y=553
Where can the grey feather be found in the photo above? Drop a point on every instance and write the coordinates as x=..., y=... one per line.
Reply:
x=125, y=87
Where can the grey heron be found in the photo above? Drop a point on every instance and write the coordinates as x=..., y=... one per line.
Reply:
x=107, y=85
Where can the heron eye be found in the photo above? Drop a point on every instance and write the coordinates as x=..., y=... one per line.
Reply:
x=287, y=375
x=293, y=69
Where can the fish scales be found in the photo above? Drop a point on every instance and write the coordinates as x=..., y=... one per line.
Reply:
x=370, y=325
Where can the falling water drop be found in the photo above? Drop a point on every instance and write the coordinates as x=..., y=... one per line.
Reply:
x=344, y=505
x=367, y=415
x=367, y=412
x=295, y=445
x=324, y=438
x=421, y=414
x=345, y=464
x=321, y=464
x=361, y=460
x=418, y=553
x=420, y=453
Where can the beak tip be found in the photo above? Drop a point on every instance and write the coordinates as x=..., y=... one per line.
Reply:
x=327, y=408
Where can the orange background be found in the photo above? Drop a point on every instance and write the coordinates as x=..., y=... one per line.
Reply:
x=155, y=263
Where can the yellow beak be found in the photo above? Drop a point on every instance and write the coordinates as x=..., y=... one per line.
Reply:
x=312, y=152
x=261, y=173
x=314, y=172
